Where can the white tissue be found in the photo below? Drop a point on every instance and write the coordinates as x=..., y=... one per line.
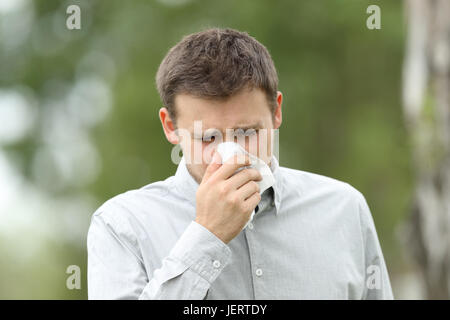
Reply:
x=229, y=149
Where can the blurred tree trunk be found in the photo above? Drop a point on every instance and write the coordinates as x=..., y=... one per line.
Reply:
x=426, y=102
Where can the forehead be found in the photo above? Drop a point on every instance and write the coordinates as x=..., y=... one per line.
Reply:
x=246, y=109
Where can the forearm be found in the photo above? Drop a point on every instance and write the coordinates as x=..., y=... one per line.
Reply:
x=195, y=261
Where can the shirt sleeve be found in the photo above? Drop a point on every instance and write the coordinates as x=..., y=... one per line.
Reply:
x=377, y=285
x=116, y=269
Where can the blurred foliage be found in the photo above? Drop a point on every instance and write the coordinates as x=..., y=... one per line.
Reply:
x=342, y=113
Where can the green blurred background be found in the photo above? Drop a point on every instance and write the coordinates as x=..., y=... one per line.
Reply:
x=79, y=124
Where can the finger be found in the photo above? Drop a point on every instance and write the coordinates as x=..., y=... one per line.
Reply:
x=231, y=165
x=213, y=166
x=244, y=176
x=247, y=190
x=252, y=201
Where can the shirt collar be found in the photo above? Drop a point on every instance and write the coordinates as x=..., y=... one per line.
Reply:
x=187, y=186
x=185, y=183
x=278, y=186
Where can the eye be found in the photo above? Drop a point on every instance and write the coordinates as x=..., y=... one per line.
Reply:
x=210, y=135
x=208, y=139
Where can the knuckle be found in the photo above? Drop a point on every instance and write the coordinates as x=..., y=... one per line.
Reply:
x=254, y=174
x=247, y=174
x=224, y=189
x=255, y=186
x=233, y=200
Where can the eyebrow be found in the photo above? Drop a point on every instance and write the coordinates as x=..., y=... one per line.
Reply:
x=255, y=126
x=248, y=127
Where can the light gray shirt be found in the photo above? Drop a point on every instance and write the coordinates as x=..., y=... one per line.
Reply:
x=313, y=237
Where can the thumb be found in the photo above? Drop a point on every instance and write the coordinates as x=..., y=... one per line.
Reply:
x=214, y=165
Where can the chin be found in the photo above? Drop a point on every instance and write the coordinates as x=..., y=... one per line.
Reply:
x=194, y=171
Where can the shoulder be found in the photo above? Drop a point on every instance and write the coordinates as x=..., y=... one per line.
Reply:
x=321, y=192
x=131, y=202
x=327, y=198
x=312, y=181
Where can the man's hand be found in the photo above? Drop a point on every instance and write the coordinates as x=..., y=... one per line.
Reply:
x=226, y=201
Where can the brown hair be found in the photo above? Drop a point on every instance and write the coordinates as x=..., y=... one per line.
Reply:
x=216, y=64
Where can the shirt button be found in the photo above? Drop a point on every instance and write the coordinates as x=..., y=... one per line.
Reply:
x=216, y=264
x=259, y=272
x=250, y=226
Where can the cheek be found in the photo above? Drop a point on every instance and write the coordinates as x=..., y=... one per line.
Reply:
x=265, y=145
x=199, y=152
x=208, y=152
x=252, y=144
x=192, y=151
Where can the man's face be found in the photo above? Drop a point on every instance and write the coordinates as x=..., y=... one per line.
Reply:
x=244, y=118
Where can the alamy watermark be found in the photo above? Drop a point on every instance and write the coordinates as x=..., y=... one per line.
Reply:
x=374, y=20
x=74, y=280
x=73, y=21
x=372, y=280
x=200, y=144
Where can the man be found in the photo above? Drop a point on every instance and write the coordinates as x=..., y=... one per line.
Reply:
x=312, y=237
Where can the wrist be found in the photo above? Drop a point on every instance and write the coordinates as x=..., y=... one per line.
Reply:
x=212, y=230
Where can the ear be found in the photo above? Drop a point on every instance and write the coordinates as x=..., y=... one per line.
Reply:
x=168, y=126
x=277, y=115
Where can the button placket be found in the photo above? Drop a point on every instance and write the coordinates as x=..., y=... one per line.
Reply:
x=216, y=264
x=255, y=256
